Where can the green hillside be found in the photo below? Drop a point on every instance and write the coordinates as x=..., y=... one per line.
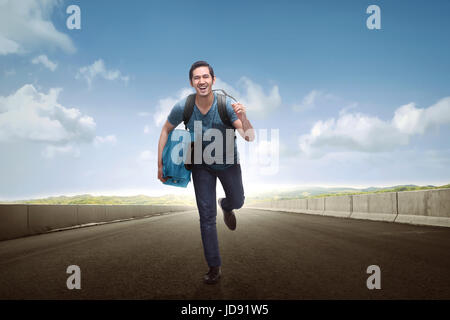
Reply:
x=316, y=192
x=296, y=193
x=89, y=199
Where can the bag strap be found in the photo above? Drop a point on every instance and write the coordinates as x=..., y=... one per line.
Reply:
x=188, y=109
x=222, y=108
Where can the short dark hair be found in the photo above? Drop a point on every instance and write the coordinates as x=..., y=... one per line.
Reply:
x=197, y=64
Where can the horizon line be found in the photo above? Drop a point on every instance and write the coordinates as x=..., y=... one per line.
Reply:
x=183, y=192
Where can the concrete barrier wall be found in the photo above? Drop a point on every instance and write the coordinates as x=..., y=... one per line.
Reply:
x=303, y=204
x=117, y=212
x=287, y=204
x=88, y=213
x=339, y=206
x=18, y=220
x=431, y=208
x=424, y=207
x=265, y=204
x=315, y=206
x=43, y=218
x=376, y=206
x=13, y=221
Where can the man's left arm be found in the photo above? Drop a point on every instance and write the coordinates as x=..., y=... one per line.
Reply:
x=242, y=124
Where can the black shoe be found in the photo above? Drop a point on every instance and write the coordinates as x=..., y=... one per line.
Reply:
x=213, y=275
x=228, y=216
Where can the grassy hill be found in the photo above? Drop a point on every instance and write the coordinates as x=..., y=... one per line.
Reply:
x=296, y=193
x=316, y=192
x=89, y=199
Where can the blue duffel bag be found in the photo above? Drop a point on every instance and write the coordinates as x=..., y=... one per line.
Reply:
x=174, y=156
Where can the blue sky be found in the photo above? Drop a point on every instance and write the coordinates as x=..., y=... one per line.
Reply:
x=81, y=110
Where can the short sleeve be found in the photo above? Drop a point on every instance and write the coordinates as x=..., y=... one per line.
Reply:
x=176, y=114
x=231, y=114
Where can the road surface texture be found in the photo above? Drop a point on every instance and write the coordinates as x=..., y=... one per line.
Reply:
x=271, y=255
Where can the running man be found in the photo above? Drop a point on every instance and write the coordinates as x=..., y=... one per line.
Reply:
x=204, y=176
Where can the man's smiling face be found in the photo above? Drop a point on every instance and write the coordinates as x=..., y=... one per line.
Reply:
x=202, y=81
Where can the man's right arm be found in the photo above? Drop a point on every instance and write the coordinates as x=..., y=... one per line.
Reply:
x=162, y=142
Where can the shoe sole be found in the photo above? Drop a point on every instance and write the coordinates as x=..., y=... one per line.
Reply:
x=211, y=281
x=233, y=222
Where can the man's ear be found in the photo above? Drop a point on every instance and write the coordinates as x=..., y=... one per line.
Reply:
x=191, y=83
x=214, y=80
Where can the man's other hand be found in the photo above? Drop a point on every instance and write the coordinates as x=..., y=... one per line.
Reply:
x=160, y=174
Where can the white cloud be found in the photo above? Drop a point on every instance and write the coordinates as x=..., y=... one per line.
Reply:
x=51, y=151
x=359, y=132
x=165, y=105
x=98, y=69
x=25, y=26
x=146, y=156
x=228, y=88
x=348, y=107
x=110, y=139
x=252, y=95
x=316, y=98
x=8, y=46
x=146, y=129
x=144, y=114
x=257, y=101
x=309, y=101
x=30, y=115
x=42, y=59
x=411, y=120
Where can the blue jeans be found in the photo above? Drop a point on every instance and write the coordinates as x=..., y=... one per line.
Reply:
x=204, y=180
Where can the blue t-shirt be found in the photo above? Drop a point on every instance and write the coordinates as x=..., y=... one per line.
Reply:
x=210, y=120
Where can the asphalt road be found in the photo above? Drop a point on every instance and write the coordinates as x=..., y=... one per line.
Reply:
x=271, y=255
